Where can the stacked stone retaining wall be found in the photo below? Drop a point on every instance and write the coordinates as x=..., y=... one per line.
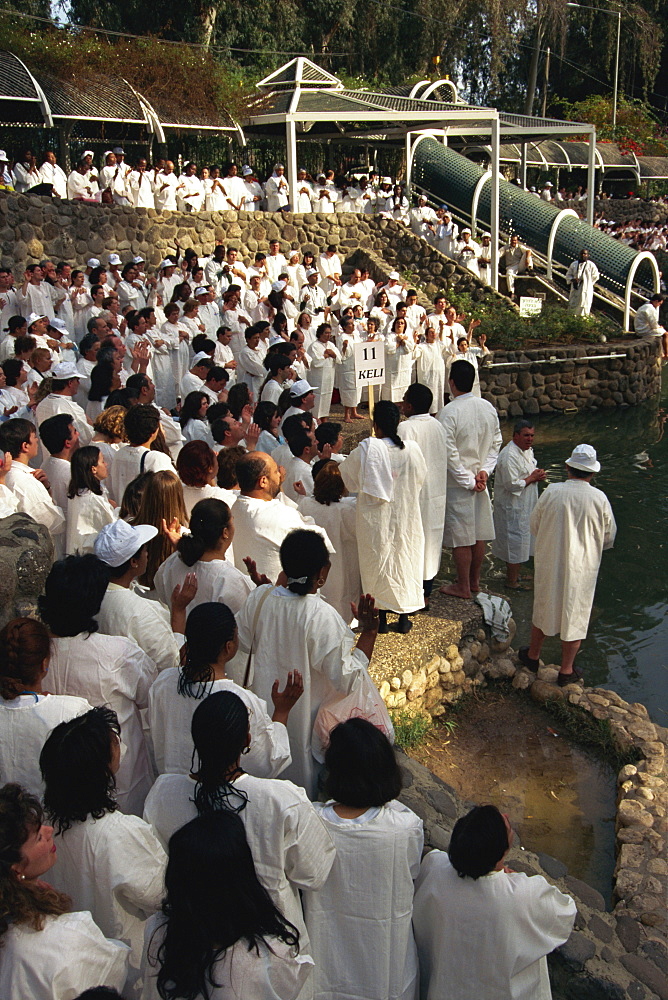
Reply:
x=557, y=380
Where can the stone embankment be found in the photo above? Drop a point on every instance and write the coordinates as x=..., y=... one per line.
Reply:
x=565, y=379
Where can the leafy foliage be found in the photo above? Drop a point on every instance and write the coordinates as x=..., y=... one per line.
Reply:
x=181, y=78
x=637, y=131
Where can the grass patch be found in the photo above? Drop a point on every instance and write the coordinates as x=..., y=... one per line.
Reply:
x=410, y=728
x=595, y=735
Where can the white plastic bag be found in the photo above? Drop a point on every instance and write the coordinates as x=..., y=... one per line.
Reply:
x=363, y=702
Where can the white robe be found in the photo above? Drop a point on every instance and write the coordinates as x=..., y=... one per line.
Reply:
x=305, y=634
x=278, y=193
x=110, y=670
x=165, y=201
x=25, y=723
x=304, y=197
x=467, y=255
x=349, y=388
x=433, y=442
x=114, y=867
x=33, y=499
x=399, y=360
x=218, y=580
x=573, y=524
x=359, y=922
x=291, y=848
x=474, y=442
x=581, y=298
x=274, y=972
x=390, y=539
x=55, y=403
x=430, y=370
x=51, y=173
x=321, y=375
x=170, y=717
x=69, y=955
x=259, y=529
x=126, y=466
x=514, y=502
x=486, y=938
x=344, y=584
x=58, y=472
x=161, y=361
x=87, y=514
x=146, y=622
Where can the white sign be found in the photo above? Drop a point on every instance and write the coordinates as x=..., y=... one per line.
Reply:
x=370, y=363
x=530, y=306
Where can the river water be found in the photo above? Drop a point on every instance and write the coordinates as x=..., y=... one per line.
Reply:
x=627, y=645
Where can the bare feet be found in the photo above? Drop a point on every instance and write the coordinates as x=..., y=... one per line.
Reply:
x=357, y=416
x=454, y=590
x=347, y=420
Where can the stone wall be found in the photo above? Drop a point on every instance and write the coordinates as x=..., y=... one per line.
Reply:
x=32, y=227
x=554, y=380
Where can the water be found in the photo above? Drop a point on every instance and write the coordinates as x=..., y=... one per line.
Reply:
x=627, y=645
x=506, y=750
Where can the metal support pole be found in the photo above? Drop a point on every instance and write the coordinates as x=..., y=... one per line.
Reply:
x=409, y=165
x=494, y=214
x=616, y=84
x=591, y=177
x=523, y=165
x=291, y=144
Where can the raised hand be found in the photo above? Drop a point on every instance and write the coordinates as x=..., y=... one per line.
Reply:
x=289, y=696
x=258, y=578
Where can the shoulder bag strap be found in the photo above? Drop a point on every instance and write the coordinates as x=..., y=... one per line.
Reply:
x=264, y=597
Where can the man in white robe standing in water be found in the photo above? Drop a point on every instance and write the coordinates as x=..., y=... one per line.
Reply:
x=474, y=441
x=573, y=524
x=433, y=441
x=582, y=275
x=516, y=479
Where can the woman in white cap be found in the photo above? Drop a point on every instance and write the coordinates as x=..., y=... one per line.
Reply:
x=467, y=252
x=323, y=356
x=253, y=193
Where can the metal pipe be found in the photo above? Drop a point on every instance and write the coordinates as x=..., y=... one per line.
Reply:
x=551, y=361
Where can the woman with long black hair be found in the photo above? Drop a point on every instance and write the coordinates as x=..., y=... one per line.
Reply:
x=291, y=849
x=110, y=864
x=211, y=643
x=219, y=937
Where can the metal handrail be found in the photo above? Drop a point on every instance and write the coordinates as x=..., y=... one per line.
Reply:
x=461, y=216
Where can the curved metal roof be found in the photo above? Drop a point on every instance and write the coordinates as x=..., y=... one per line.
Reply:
x=27, y=98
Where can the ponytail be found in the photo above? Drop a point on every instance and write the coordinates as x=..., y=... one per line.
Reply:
x=208, y=520
x=386, y=417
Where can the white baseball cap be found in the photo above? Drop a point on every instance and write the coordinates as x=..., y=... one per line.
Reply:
x=93, y=262
x=311, y=270
x=201, y=290
x=138, y=260
x=59, y=324
x=386, y=180
x=114, y=259
x=33, y=317
x=275, y=339
x=120, y=541
x=3, y=156
x=394, y=275
x=584, y=458
x=88, y=152
x=200, y=356
x=246, y=171
x=466, y=230
x=167, y=263
x=278, y=286
x=301, y=388
x=65, y=370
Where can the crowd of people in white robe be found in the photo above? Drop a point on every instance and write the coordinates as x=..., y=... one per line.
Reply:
x=216, y=554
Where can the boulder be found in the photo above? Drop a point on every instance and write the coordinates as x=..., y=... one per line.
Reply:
x=26, y=555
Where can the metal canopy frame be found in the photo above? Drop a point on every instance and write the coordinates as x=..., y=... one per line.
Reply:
x=147, y=115
x=304, y=99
